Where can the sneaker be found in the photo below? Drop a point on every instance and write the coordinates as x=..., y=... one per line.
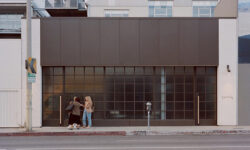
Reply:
x=70, y=127
x=83, y=126
x=88, y=127
x=78, y=126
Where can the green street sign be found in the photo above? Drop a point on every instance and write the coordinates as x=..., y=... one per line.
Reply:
x=31, y=77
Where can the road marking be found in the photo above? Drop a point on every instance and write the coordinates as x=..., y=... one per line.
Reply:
x=121, y=148
x=173, y=140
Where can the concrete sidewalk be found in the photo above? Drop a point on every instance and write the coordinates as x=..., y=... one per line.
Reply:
x=125, y=131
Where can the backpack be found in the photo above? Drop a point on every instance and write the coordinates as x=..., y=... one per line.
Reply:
x=70, y=107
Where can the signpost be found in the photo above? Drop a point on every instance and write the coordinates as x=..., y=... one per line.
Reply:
x=31, y=69
x=31, y=77
x=29, y=54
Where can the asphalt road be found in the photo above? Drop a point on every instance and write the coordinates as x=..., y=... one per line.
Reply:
x=220, y=142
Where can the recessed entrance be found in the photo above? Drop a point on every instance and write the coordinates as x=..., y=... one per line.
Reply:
x=179, y=95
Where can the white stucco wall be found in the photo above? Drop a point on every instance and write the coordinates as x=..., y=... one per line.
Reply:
x=10, y=82
x=228, y=81
x=132, y=11
x=182, y=8
x=37, y=86
x=182, y=11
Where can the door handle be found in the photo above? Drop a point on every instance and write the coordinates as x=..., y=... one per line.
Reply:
x=198, y=110
x=60, y=110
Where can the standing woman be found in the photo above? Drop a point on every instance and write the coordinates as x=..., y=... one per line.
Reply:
x=75, y=114
x=87, y=112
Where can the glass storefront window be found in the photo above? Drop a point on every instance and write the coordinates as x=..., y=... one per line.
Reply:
x=122, y=92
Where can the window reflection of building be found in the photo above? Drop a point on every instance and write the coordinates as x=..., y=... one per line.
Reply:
x=204, y=9
x=160, y=9
x=62, y=4
x=116, y=13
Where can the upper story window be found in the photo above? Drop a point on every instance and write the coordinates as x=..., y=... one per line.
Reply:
x=204, y=8
x=160, y=9
x=116, y=13
x=10, y=23
x=203, y=11
x=61, y=4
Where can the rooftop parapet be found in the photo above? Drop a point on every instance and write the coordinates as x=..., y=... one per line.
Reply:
x=226, y=8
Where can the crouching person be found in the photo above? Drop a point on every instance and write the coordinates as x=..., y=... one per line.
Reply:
x=75, y=114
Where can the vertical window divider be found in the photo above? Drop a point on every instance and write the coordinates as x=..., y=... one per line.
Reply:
x=205, y=95
x=184, y=93
x=114, y=73
x=104, y=93
x=144, y=96
x=124, y=92
x=174, y=93
x=194, y=93
x=63, y=94
x=163, y=92
x=134, y=91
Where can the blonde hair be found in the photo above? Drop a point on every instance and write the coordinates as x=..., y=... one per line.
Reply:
x=74, y=98
x=88, y=98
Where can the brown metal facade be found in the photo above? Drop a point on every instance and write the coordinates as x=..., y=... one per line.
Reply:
x=129, y=41
x=72, y=44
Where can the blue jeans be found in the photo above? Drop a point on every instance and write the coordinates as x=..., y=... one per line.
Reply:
x=85, y=116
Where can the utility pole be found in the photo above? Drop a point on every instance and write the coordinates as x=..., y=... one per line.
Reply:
x=29, y=54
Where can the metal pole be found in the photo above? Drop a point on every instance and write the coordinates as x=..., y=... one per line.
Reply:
x=29, y=54
x=148, y=119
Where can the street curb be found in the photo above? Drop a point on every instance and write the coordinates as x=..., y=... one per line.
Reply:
x=205, y=132
x=85, y=133
x=129, y=133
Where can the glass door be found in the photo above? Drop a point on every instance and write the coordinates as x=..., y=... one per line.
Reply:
x=206, y=96
x=180, y=95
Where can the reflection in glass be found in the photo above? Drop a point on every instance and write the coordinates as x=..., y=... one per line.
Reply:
x=122, y=92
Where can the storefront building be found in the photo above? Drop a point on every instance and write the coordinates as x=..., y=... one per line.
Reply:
x=187, y=67
x=122, y=63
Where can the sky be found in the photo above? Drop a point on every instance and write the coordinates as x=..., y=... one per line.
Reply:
x=242, y=1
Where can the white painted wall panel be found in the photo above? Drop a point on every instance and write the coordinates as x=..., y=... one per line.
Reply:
x=132, y=11
x=183, y=3
x=228, y=81
x=10, y=108
x=10, y=63
x=10, y=83
x=182, y=11
x=37, y=86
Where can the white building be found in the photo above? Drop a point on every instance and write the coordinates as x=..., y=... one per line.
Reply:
x=117, y=8
x=151, y=8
